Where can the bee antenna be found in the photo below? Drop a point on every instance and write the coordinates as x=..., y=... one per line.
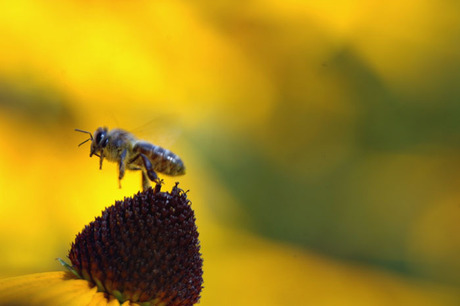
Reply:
x=90, y=136
x=84, y=141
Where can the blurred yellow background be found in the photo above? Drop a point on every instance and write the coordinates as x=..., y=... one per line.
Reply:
x=321, y=138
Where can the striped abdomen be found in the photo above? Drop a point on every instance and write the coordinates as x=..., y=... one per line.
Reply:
x=163, y=161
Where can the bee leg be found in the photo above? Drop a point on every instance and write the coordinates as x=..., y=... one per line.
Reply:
x=145, y=181
x=101, y=158
x=121, y=167
x=149, y=168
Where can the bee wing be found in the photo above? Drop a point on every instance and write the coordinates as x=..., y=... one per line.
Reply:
x=159, y=131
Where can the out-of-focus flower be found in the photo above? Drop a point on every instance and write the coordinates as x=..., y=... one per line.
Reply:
x=143, y=250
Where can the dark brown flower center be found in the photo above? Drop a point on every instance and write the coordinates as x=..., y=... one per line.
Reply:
x=143, y=249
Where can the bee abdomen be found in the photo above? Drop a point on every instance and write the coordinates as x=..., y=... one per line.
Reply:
x=163, y=160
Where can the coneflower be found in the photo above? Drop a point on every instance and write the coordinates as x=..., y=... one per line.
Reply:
x=143, y=250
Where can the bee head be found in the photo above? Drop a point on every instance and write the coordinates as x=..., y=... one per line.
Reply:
x=99, y=141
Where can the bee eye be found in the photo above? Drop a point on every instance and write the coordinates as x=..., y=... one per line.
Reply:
x=99, y=137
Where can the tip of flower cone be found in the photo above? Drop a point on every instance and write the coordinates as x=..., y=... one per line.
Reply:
x=143, y=249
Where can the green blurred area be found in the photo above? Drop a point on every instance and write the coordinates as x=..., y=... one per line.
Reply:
x=366, y=182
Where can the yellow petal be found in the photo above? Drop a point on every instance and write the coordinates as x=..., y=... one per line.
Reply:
x=50, y=288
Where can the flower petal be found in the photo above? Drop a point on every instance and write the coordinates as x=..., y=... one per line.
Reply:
x=101, y=299
x=50, y=288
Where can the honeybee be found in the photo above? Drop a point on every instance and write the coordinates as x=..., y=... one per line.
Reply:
x=120, y=146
